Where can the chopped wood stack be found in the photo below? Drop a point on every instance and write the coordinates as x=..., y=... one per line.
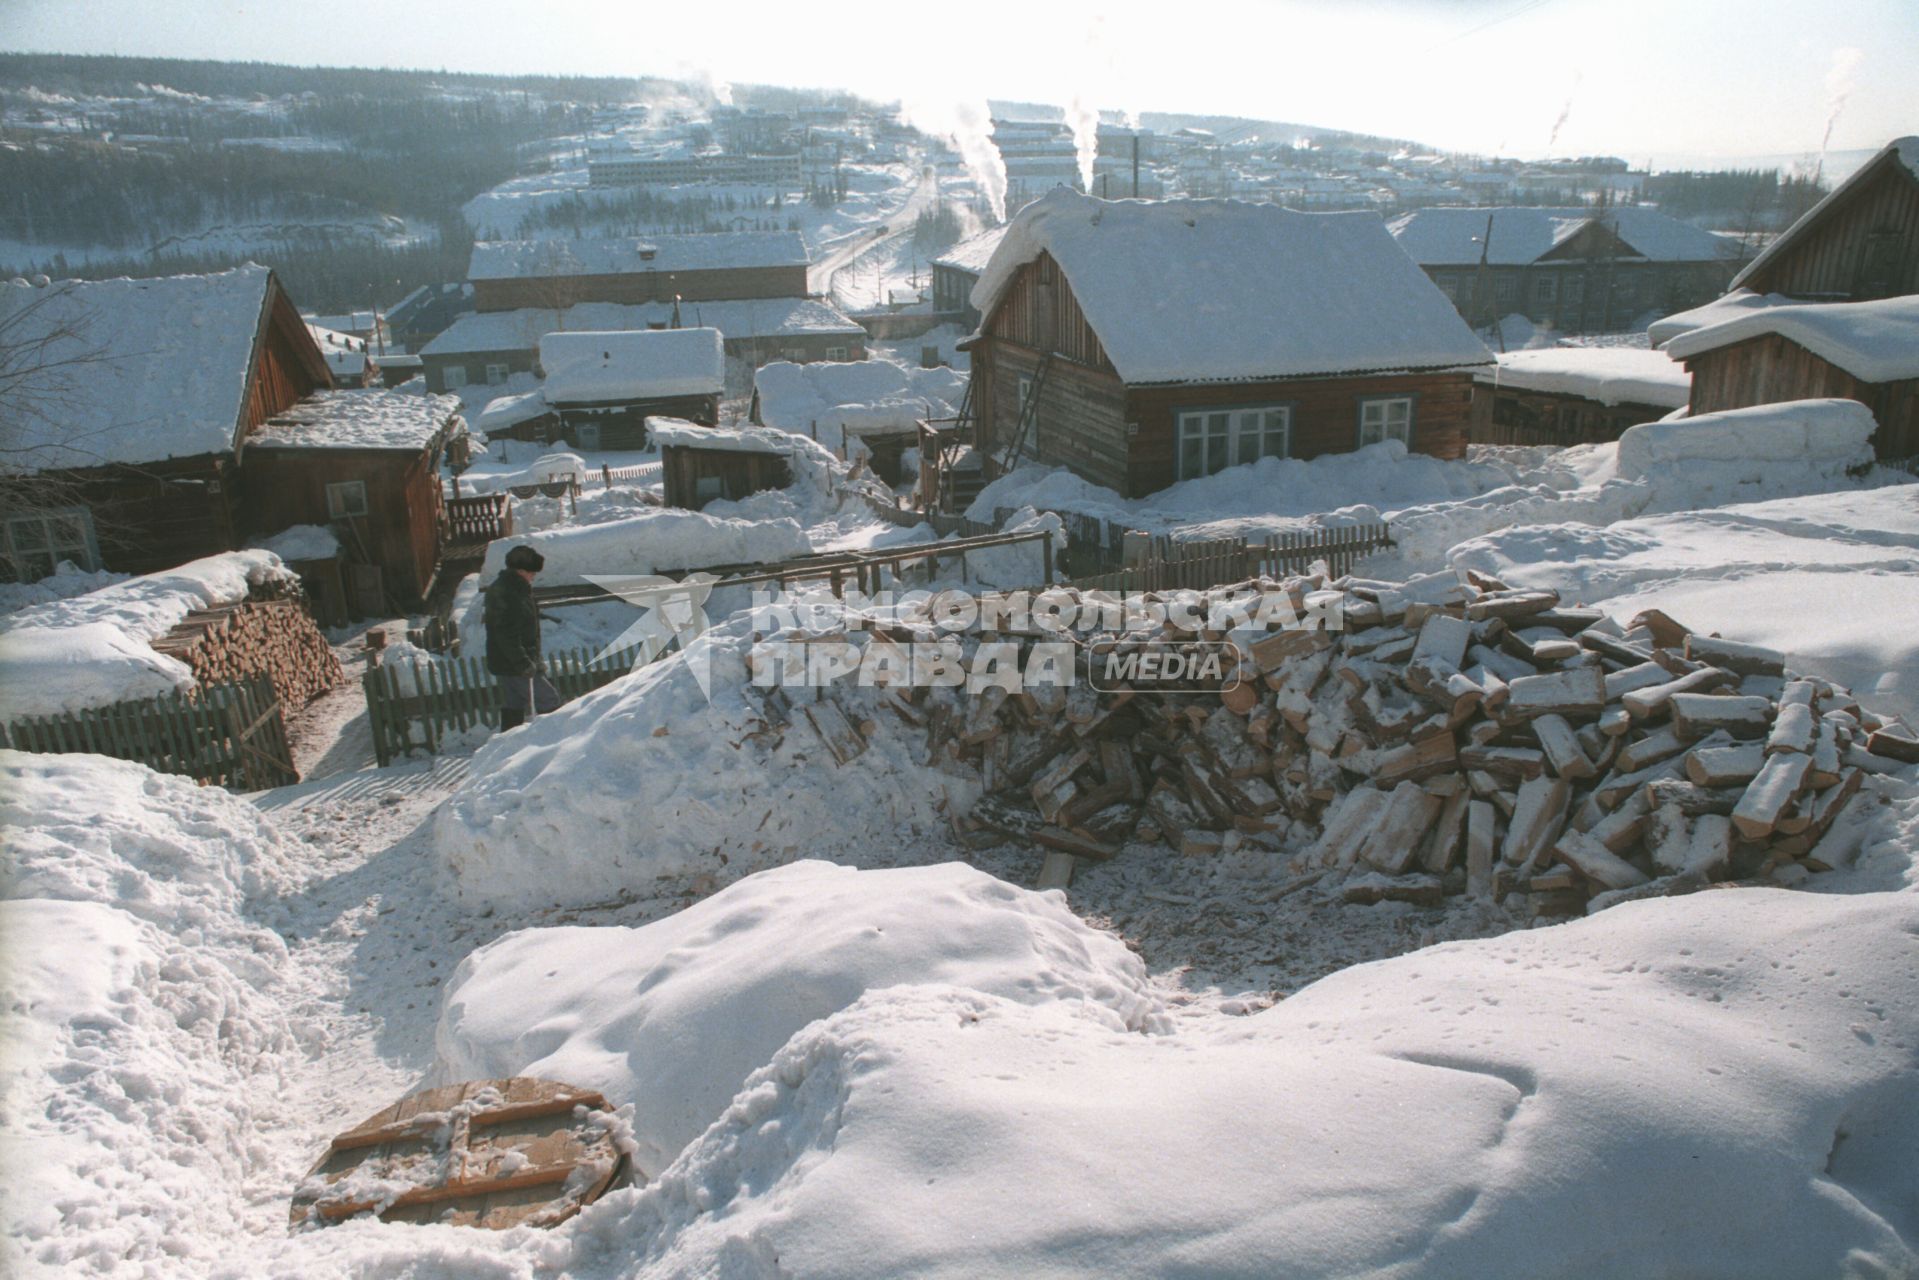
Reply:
x=276, y=636
x=1497, y=743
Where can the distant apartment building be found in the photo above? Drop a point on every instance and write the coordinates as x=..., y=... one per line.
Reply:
x=553, y=274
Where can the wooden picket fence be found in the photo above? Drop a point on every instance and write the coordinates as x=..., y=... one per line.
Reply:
x=233, y=735
x=417, y=710
x=1171, y=565
x=638, y=471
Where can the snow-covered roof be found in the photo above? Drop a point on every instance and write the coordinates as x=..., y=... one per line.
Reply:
x=860, y=397
x=1873, y=341
x=345, y=354
x=713, y=251
x=973, y=253
x=1610, y=375
x=507, y=411
x=1737, y=303
x=1451, y=237
x=666, y=433
x=377, y=418
x=1901, y=151
x=159, y=367
x=631, y=364
x=1223, y=290
x=738, y=319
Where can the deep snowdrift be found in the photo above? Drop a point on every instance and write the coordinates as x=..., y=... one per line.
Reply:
x=649, y=778
x=141, y=1026
x=676, y=1014
x=1832, y=579
x=1720, y=1085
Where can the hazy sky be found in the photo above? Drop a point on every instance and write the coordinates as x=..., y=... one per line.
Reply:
x=1638, y=78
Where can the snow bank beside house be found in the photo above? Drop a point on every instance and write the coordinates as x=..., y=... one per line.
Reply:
x=1521, y=1107
x=67, y=580
x=674, y=1016
x=649, y=780
x=653, y=541
x=145, y=1040
x=1715, y=453
x=301, y=542
x=47, y=670
x=92, y=649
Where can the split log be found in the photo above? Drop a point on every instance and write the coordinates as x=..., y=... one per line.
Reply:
x=1539, y=812
x=1731, y=655
x=1579, y=691
x=1396, y=836
x=1695, y=715
x=1597, y=863
x=1563, y=753
x=1482, y=838
x=1768, y=795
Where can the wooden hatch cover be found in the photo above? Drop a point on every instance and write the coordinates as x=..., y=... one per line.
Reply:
x=487, y=1153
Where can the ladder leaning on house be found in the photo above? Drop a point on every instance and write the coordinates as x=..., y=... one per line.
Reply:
x=1009, y=457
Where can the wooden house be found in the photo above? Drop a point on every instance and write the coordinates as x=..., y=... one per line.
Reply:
x=366, y=463
x=1573, y=395
x=198, y=413
x=1142, y=343
x=1577, y=270
x=602, y=387
x=1859, y=243
x=702, y=464
x=1864, y=351
x=956, y=271
x=132, y=461
x=509, y=274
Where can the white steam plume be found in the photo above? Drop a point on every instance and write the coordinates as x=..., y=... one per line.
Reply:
x=1084, y=120
x=968, y=125
x=1565, y=112
x=1839, y=87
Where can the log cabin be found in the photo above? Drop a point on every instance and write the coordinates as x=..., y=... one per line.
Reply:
x=179, y=417
x=1859, y=243
x=1141, y=343
x=601, y=387
x=1864, y=351
x=1574, y=269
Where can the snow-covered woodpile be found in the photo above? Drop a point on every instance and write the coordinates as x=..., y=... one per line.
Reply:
x=1498, y=742
x=272, y=633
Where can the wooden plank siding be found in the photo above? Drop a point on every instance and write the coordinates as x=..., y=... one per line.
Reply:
x=1125, y=437
x=1771, y=369
x=1827, y=257
x=1507, y=414
x=401, y=530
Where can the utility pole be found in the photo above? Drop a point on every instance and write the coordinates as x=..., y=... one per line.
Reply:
x=1479, y=282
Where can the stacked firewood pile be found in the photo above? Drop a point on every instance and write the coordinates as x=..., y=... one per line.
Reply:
x=272, y=633
x=1495, y=743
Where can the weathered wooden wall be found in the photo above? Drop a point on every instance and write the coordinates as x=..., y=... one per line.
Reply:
x=1511, y=415
x=156, y=515
x=401, y=530
x=1826, y=260
x=739, y=474
x=1770, y=369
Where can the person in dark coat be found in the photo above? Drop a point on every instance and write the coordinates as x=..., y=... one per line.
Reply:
x=513, y=639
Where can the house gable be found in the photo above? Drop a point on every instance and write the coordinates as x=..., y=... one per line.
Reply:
x=1861, y=242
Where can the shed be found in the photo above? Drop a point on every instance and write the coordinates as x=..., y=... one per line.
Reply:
x=1859, y=243
x=1573, y=395
x=368, y=464
x=1864, y=351
x=1142, y=343
x=602, y=386
x=702, y=464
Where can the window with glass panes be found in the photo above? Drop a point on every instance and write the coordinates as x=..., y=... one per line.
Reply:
x=1386, y=419
x=1211, y=440
x=32, y=545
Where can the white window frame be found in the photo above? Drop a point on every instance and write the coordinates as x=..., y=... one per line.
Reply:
x=1546, y=287
x=1231, y=436
x=80, y=544
x=1386, y=418
x=453, y=377
x=1505, y=289
x=339, y=499
x=836, y=353
x=496, y=373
